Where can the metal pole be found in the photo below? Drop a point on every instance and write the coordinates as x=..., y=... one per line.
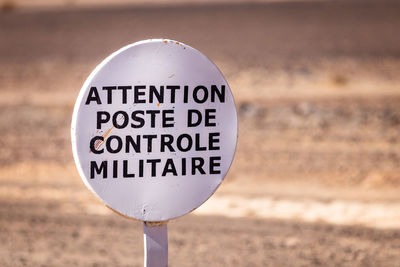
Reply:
x=155, y=244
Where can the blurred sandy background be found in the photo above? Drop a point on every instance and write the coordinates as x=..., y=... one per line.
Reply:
x=316, y=178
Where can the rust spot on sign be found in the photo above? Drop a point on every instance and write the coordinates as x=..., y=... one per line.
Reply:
x=172, y=75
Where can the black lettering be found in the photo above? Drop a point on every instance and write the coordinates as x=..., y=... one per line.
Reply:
x=109, y=90
x=124, y=93
x=135, y=118
x=125, y=170
x=219, y=93
x=166, y=141
x=152, y=117
x=115, y=168
x=124, y=119
x=197, y=166
x=119, y=144
x=173, y=88
x=166, y=120
x=180, y=140
x=93, y=142
x=158, y=94
x=140, y=168
x=183, y=166
x=131, y=143
x=150, y=138
x=191, y=122
x=169, y=167
x=213, y=139
x=93, y=95
x=100, y=118
x=215, y=162
x=94, y=168
x=209, y=116
x=138, y=92
x=197, y=143
x=202, y=98
x=153, y=163
x=185, y=93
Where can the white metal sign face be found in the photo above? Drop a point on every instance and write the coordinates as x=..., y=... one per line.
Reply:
x=154, y=130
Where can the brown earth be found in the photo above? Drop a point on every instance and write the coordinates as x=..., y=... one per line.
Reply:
x=37, y=234
x=317, y=89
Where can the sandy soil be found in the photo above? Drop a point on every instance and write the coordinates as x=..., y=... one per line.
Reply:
x=59, y=239
x=316, y=177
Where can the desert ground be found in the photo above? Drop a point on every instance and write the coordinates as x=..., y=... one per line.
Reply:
x=316, y=177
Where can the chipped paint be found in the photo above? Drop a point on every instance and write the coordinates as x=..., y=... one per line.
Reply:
x=172, y=75
x=101, y=142
x=174, y=42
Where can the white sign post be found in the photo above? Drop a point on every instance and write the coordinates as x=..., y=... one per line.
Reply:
x=155, y=244
x=154, y=132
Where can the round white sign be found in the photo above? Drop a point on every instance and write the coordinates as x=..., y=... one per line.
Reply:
x=154, y=130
